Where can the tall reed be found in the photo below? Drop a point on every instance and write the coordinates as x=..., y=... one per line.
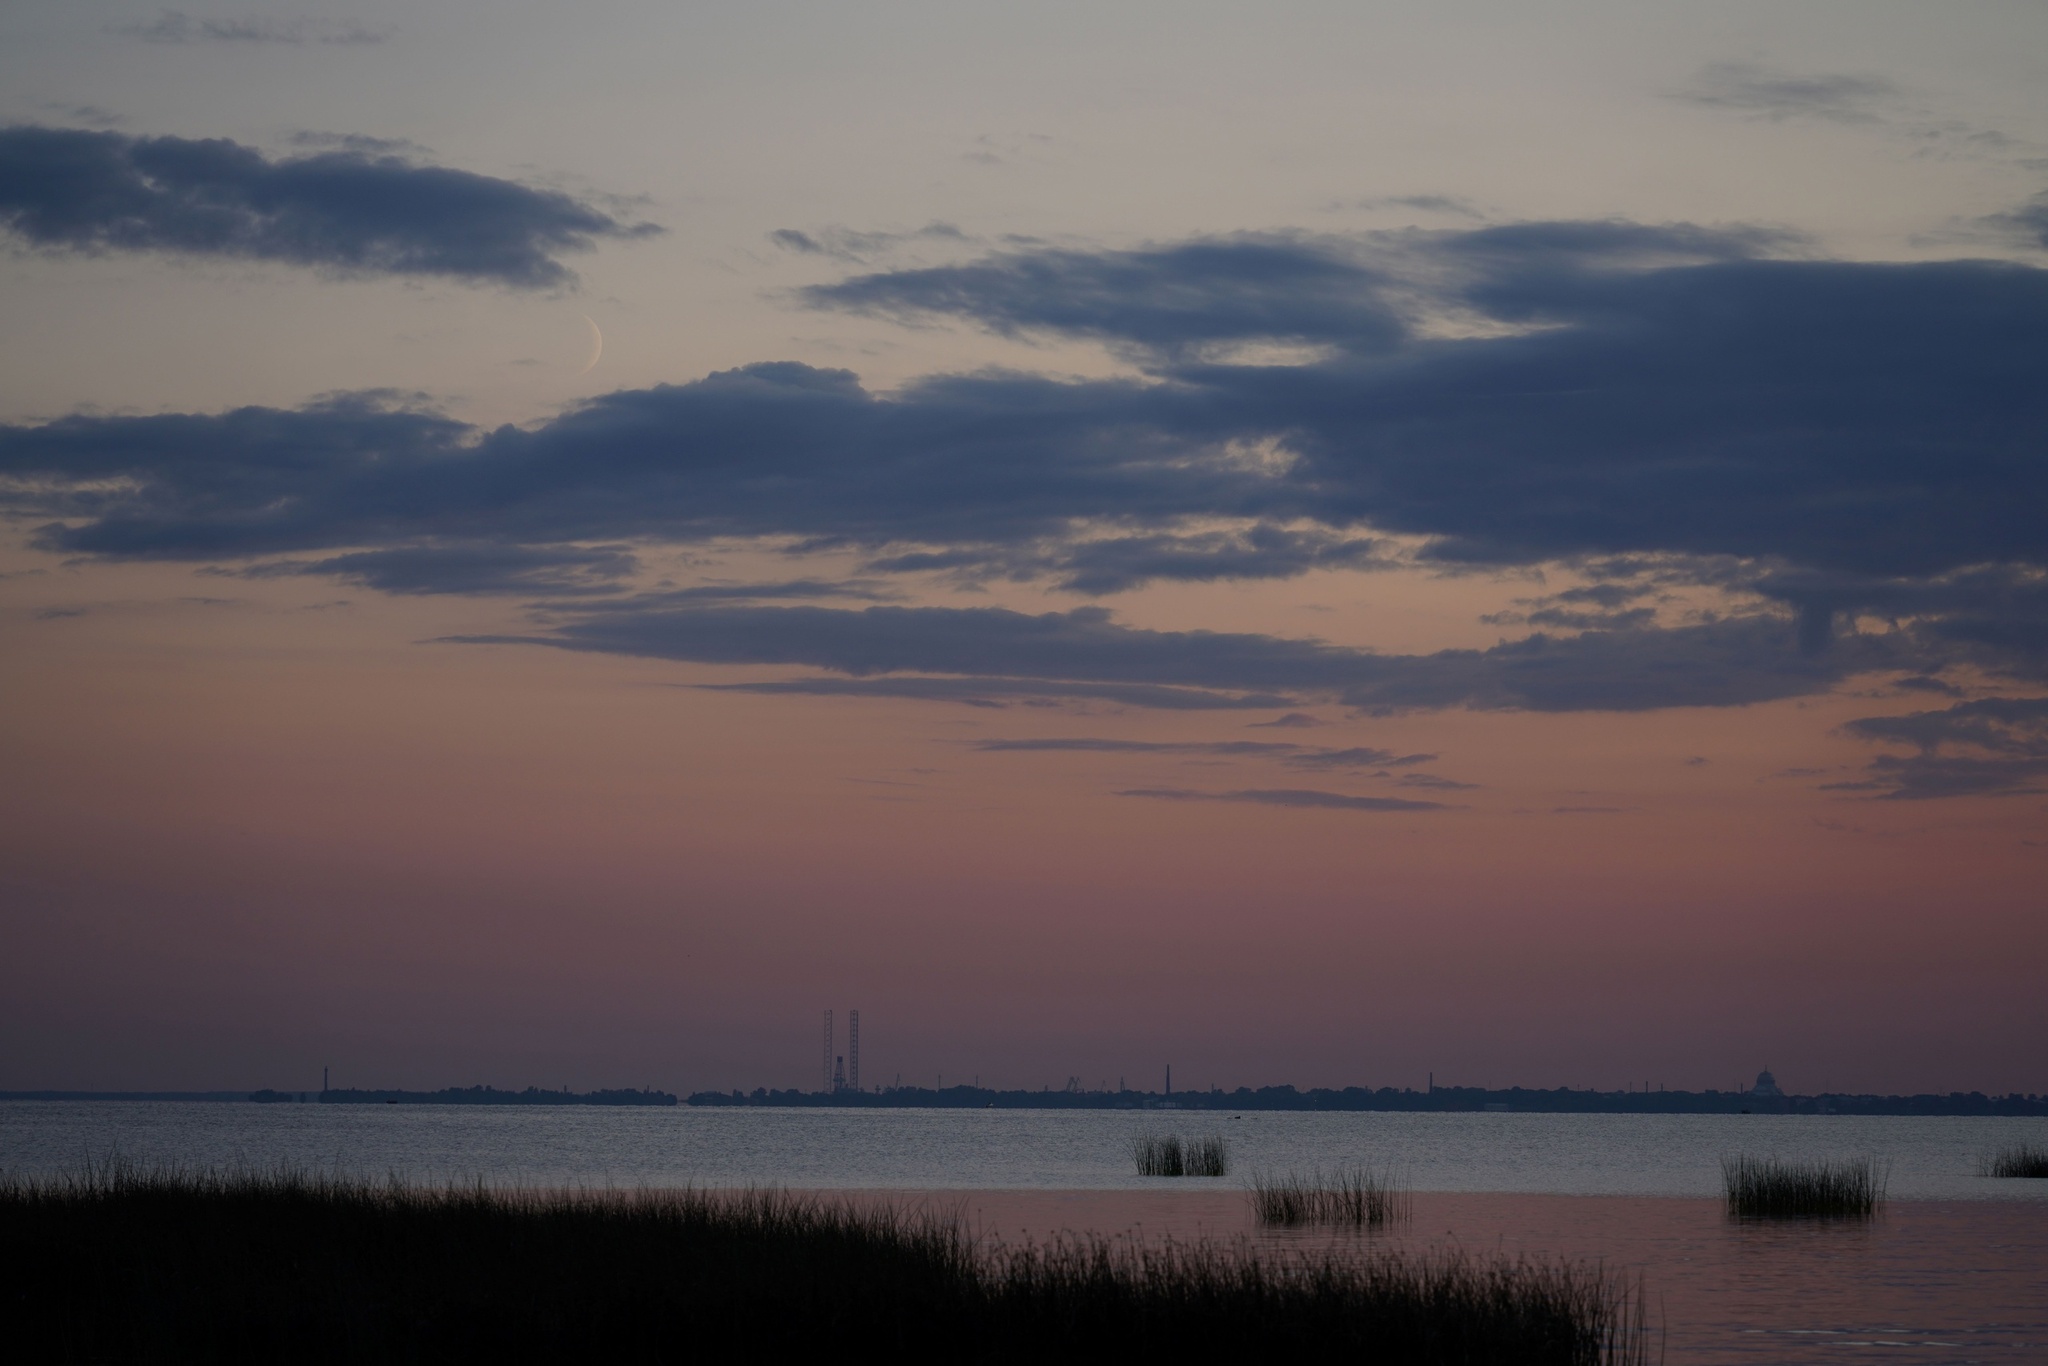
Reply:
x=1172, y=1155
x=1349, y=1195
x=2021, y=1160
x=1772, y=1188
x=124, y=1265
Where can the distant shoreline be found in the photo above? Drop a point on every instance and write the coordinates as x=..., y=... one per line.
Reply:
x=1439, y=1100
x=1436, y=1100
x=452, y=1095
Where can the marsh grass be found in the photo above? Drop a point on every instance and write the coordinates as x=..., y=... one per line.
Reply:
x=2019, y=1160
x=1348, y=1196
x=1771, y=1188
x=1172, y=1155
x=168, y=1266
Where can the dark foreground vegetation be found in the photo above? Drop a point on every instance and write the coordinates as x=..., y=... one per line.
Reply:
x=125, y=1266
x=2022, y=1160
x=1768, y=1188
x=1173, y=1155
x=1350, y=1196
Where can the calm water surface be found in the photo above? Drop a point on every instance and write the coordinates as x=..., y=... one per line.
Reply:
x=1931, y=1159
x=1955, y=1269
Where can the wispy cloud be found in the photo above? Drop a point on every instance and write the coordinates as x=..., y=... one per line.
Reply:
x=1754, y=88
x=175, y=26
x=1993, y=746
x=1297, y=798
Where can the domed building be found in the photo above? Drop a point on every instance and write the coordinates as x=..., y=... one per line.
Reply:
x=1766, y=1086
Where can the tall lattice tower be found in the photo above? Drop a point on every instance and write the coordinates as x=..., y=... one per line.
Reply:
x=853, y=1050
x=825, y=1075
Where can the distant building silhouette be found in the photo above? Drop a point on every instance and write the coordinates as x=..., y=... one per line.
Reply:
x=1766, y=1086
x=853, y=1050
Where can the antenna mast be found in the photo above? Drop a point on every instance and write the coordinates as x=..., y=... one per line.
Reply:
x=853, y=1050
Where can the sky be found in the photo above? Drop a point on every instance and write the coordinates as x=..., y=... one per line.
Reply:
x=1309, y=543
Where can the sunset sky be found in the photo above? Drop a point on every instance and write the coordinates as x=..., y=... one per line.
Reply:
x=1315, y=543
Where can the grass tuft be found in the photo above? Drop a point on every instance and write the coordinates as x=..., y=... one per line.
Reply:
x=1172, y=1155
x=1771, y=1188
x=2020, y=1160
x=119, y=1264
x=1349, y=1196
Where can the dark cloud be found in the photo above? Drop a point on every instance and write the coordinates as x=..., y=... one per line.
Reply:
x=1925, y=683
x=845, y=244
x=1115, y=564
x=1175, y=299
x=352, y=210
x=1678, y=397
x=1993, y=746
x=1298, y=798
x=1091, y=745
x=471, y=569
x=770, y=450
x=1724, y=663
x=2028, y=222
x=1290, y=755
x=1993, y=615
x=864, y=589
x=1851, y=443
x=1356, y=756
x=1294, y=720
x=1431, y=780
x=1867, y=420
x=175, y=26
x=1004, y=692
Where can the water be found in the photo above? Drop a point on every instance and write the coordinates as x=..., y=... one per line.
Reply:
x=1954, y=1269
x=1669, y=1155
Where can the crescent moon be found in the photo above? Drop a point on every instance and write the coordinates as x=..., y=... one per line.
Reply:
x=596, y=346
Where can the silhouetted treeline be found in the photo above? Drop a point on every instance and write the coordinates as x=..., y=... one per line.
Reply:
x=1563, y=1100
x=476, y=1095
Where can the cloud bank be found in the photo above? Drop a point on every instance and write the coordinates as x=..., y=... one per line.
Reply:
x=1858, y=452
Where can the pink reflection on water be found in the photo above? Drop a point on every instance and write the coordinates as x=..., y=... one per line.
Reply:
x=1949, y=1281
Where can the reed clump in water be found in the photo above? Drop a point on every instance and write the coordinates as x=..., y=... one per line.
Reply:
x=1350, y=1195
x=2019, y=1160
x=1172, y=1155
x=1772, y=1188
x=126, y=1265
